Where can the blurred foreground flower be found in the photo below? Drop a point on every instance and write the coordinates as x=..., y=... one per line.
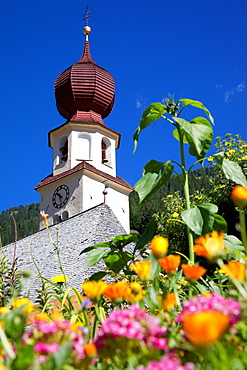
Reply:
x=134, y=293
x=210, y=246
x=94, y=289
x=170, y=263
x=142, y=269
x=167, y=363
x=169, y=301
x=194, y=272
x=159, y=246
x=23, y=302
x=115, y=291
x=90, y=350
x=213, y=302
x=235, y=268
x=205, y=328
x=4, y=310
x=239, y=196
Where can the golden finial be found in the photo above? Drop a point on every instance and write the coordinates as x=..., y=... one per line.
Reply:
x=87, y=15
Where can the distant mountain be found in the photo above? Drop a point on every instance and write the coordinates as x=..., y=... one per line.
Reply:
x=27, y=222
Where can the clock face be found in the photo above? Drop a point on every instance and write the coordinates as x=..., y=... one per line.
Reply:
x=60, y=196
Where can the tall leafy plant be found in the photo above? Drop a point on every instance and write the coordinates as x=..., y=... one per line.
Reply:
x=197, y=134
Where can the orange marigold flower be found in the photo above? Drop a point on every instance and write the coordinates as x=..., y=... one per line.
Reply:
x=170, y=263
x=170, y=301
x=239, y=196
x=204, y=328
x=142, y=269
x=116, y=290
x=159, y=246
x=134, y=293
x=236, y=269
x=2, y=326
x=27, y=305
x=210, y=246
x=90, y=350
x=44, y=216
x=193, y=272
x=94, y=289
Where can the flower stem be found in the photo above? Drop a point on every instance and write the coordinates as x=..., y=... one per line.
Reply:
x=243, y=228
x=186, y=192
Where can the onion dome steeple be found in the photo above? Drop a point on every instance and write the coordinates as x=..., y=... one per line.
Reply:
x=85, y=91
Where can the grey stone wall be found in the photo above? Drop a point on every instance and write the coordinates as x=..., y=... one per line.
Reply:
x=93, y=226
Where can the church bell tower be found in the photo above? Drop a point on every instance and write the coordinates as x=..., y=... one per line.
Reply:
x=84, y=148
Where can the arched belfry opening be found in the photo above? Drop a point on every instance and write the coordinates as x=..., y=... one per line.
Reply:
x=106, y=151
x=63, y=149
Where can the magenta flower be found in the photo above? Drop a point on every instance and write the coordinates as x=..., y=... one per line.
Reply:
x=46, y=348
x=132, y=323
x=167, y=363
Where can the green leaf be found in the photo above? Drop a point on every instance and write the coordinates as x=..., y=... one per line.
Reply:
x=220, y=223
x=208, y=211
x=155, y=175
x=98, y=276
x=197, y=104
x=114, y=262
x=24, y=358
x=233, y=172
x=152, y=113
x=233, y=244
x=231, y=169
x=206, y=143
x=121, y=241
x=175, y=134
x=99, y=245
x=96, y=255
x=147, y=235
x=193, y=219
x=196, y=134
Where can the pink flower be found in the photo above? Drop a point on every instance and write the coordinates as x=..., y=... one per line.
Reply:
x=168, y=363
x=132, y=323
x=212, y=302
x=46, y=348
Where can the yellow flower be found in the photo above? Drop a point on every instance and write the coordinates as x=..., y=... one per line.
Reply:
x=159, y=246
x=170, y=301
x=222, y=186
x=94, y=289
x=169, y=196
x=77, y=327
x=234, y=268
x=244, y=158
x=44, y=216
x=116, y=290
x=204, y=328
x=193, y=272
x=142, y=269
x=60, y=278
x=27, y=305
x=170, y=263
x=210, y=246
x=210, y=159
x=239, y=196
x=4, y=310
x=175, y=214
x=134, y=293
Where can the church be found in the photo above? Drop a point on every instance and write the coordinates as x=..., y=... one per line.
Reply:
x=86, y=202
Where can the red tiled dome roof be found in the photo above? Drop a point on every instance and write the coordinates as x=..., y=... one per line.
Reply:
x=85, y=87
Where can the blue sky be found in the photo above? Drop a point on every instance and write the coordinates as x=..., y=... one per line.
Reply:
x=190, y=48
